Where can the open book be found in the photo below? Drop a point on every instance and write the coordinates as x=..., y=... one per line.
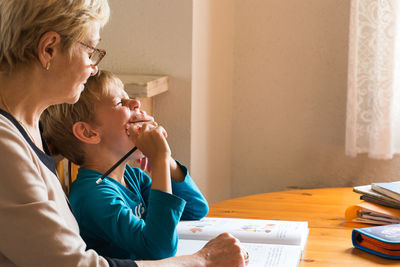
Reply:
x=269, y=242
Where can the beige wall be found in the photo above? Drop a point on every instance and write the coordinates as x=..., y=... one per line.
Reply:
x=258, y=92
x=289, y=98
x=212, y=97
x=155, y=37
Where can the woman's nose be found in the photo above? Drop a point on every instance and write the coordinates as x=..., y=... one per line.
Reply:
x=134, y=104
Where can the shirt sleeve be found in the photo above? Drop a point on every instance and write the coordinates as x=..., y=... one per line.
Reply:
x=144, y=184
x=32, y=230
x=120, y=263
x=196, y=204
x=154, y=237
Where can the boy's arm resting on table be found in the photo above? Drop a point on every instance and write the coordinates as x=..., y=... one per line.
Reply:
x=33, y=232
x=196, y=205
x=184, y=187
x=152, y=238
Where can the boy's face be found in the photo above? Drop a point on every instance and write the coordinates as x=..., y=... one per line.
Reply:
x=115, y=114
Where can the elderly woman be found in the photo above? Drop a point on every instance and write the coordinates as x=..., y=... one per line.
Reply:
x=47, y=52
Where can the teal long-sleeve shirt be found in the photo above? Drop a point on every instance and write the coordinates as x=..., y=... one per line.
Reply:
x=135, y=222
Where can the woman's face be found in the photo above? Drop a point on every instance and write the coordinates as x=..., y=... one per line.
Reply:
x=73, y=72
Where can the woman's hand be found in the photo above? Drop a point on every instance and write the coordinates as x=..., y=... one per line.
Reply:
x=224, y=250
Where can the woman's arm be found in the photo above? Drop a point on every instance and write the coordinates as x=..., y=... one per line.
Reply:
x=224, y=250
x=36, y=225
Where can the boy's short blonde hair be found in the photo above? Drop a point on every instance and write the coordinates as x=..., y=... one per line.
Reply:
x=23, y=22
x=57, y=120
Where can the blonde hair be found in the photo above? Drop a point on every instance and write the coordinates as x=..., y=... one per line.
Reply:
x=57, y=120
x=23, y=22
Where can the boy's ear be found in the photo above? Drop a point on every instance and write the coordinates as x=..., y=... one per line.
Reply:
x=85, y=133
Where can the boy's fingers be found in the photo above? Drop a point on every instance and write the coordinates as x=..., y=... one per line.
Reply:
x=143, y=164
x=134, y=131
x=144, y=128
x=143, y=116
x=146, y=116
x=148, y=166
x=163, y=131
x=150, y=125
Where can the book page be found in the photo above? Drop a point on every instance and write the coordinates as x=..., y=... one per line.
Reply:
x=246, y=230
x=260, y=255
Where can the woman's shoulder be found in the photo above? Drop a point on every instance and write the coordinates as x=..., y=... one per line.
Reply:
x=8, y=129
x=15, y=145
x=14, y=138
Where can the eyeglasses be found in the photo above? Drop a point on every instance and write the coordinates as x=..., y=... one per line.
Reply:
x=96, y=56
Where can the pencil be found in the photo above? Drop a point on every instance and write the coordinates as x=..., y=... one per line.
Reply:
x=116, y=165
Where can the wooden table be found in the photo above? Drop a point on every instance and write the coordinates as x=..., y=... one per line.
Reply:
x=329, y=240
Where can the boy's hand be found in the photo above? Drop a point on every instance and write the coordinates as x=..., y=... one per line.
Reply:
x=141, y=116
x=151, y=140
x=144, y=164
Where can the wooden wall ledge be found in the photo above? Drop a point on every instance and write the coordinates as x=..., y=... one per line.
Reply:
x=138, y=85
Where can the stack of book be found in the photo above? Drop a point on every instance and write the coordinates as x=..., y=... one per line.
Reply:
x=380, y=205
x=386, y=194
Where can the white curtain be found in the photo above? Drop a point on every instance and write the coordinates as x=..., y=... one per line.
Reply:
x=373, y=100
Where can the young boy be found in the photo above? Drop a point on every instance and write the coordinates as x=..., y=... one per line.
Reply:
x=128, y=214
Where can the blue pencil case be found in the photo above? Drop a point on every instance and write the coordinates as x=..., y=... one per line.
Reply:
x=383, y=240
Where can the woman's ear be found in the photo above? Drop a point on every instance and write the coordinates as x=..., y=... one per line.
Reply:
x=46, y=48
x=85, y=133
